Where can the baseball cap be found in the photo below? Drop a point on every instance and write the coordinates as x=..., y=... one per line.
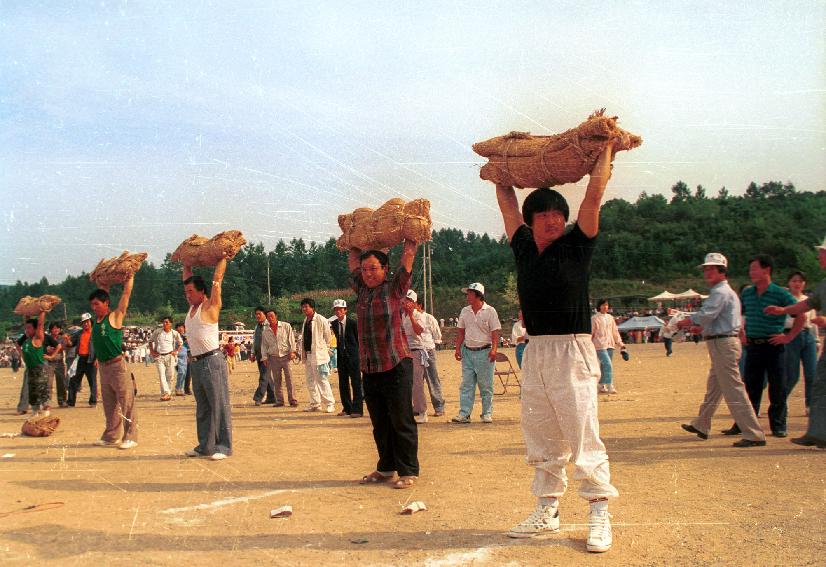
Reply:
x=339, y=303
x=475, y=286
x=411, y=295
x=85, y=317
x=714, y=259
x=822, y=246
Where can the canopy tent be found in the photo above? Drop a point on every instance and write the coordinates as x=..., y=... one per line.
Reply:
x=690, y=294
x=664, y=296
x=640, y=323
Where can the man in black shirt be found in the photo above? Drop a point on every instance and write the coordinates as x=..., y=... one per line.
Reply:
x=560, y=366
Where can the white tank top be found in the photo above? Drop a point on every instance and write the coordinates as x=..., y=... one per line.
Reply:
x=202, y=337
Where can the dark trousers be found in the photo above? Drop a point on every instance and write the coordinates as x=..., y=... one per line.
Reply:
x=84, y=367
x=213, y=413
x=188, y=379
x=767, y=360
x=264, y=385
x=350, y=389
x=389, y=397
x=667, y=343
x=59, y=373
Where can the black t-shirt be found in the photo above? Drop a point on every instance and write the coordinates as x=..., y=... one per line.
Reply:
x=553, y=286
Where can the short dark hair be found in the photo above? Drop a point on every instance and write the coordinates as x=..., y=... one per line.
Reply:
x=271, y=310
x=308, y=301
x=543, y=200
x=32, y=322
x=166, y=319
x=100, y=294
x=378, y=255
x=600, y=302
x=180, y=324
x=58, y=325
x=261, y=309
x=722, y=269
x=197, y=282
x=764, y=260
x=797, y=273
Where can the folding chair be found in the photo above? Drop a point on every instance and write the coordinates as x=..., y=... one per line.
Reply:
x=505, y=373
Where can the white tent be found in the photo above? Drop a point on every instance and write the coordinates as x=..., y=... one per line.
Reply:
x=640, y=323
x=690, y=294
x=664, y=296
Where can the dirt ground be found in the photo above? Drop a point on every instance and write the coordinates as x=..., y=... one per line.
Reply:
x=682, y=501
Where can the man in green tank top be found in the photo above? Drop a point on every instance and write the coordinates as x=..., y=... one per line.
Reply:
x=35, y=330
x=115, y=384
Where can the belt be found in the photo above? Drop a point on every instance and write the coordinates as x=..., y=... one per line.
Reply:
x=758, y=341
x=712, y=337
x=206, y=354
x=112, y=360
x=486, y=347
x=164, y=353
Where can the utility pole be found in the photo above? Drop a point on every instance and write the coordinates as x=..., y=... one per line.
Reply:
x=269, y=295
x=424, y=275
x=430, y=277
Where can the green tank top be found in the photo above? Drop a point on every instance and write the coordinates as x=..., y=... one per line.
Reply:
x=108, y=341
x=32, y=355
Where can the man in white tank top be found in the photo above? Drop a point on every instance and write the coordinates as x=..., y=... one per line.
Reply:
x=210, y=378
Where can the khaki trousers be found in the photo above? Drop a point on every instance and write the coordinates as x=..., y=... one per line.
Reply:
x=724, y=381
x=118, y=393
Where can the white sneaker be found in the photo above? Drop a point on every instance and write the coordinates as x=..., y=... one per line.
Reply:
x=543, y=520
x=603, y=388
x=487, y=418
x=599, y=528
x=193, y=453
x=128, y=444
x=312, y=408
x=218, y=457
x=611, y=389
x=330, y=409
x=104, y=443
x=420, y=418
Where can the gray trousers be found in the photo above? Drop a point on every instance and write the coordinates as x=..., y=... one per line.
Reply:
x=210, y=385
x=275, y=366
x=724, y=381
x=431, y=374
x=817, y=406
x=23, y=402
x=422, y=373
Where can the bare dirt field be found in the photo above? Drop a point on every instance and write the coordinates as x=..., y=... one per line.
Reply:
x=682, y=501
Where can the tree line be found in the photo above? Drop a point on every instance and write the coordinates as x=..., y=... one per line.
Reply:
x=652, y=239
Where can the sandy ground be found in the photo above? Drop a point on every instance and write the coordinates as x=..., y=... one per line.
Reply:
x=683, y=501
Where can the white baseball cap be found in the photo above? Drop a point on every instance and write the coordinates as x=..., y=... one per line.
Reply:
x=475, y=286
x=822, y=246
x=85, y=317
x=714, y=259
x=339, y=303
x=411, y=295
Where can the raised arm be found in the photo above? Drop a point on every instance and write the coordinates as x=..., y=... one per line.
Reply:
x=797, y=309
x=117, y=316
x=186, y=272
x=40, y=333
x=212, y=306
x=588, y=218
x=353, y=259
x=408, y=255
x=509, y=207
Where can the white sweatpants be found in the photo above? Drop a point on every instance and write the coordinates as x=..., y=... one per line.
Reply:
x=559, y=416
x=165, y=363
x=318, y=387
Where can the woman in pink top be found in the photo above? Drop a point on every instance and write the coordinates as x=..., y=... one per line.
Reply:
x=606, y=337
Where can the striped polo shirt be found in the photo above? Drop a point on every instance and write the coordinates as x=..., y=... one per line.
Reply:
x=758, y=324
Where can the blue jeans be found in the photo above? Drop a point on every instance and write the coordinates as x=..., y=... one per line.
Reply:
x=477, y=369
x=520, y=350
x=182, y=364
x=803, y=349
x=606, y=367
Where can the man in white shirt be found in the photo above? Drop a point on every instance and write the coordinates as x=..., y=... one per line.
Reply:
x=476, y=344
x=164, y=346
x=430, y=337
x=277, y=350
x=413, y=323
x=315, y=332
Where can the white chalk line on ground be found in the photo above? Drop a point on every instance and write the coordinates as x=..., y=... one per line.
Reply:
x=221, y=503
x=476, y=557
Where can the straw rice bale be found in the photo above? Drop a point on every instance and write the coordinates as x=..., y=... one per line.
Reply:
x=385, y=227
x=523, y=160
x=32, y=306
x=118, y=269
x=40, y=427
x=201, y=251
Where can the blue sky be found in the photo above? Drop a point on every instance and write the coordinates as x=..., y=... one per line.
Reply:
x=131, y=125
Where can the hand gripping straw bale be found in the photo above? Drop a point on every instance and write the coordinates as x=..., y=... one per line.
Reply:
x=32, y=306
x=385, y=227
x=201, y=251
x=522, y=160
x=118, y=269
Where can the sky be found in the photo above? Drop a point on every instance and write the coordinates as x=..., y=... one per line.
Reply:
x=132, y=125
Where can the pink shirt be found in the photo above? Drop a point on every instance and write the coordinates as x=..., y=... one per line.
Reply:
x=604, y=332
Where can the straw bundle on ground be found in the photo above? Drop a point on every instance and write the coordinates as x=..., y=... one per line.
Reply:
x=201, y=251
x=32, y=306
x=522, y=160
x=117, y=270
x=385, y=227
x=40, y=427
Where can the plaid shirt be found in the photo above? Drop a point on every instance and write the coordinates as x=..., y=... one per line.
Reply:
x=382, y=342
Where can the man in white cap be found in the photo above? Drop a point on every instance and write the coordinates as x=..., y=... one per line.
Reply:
x=82, y=341
x=349, y=370
x=721, y=321
x=816, y=432
x=413, y=323
x=430, y=337
x=476, y=344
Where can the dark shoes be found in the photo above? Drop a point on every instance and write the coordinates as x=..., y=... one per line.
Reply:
x=733, y=430
x=807, y=441
x=749, y=443
x=780, y=434
x=697, y=432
